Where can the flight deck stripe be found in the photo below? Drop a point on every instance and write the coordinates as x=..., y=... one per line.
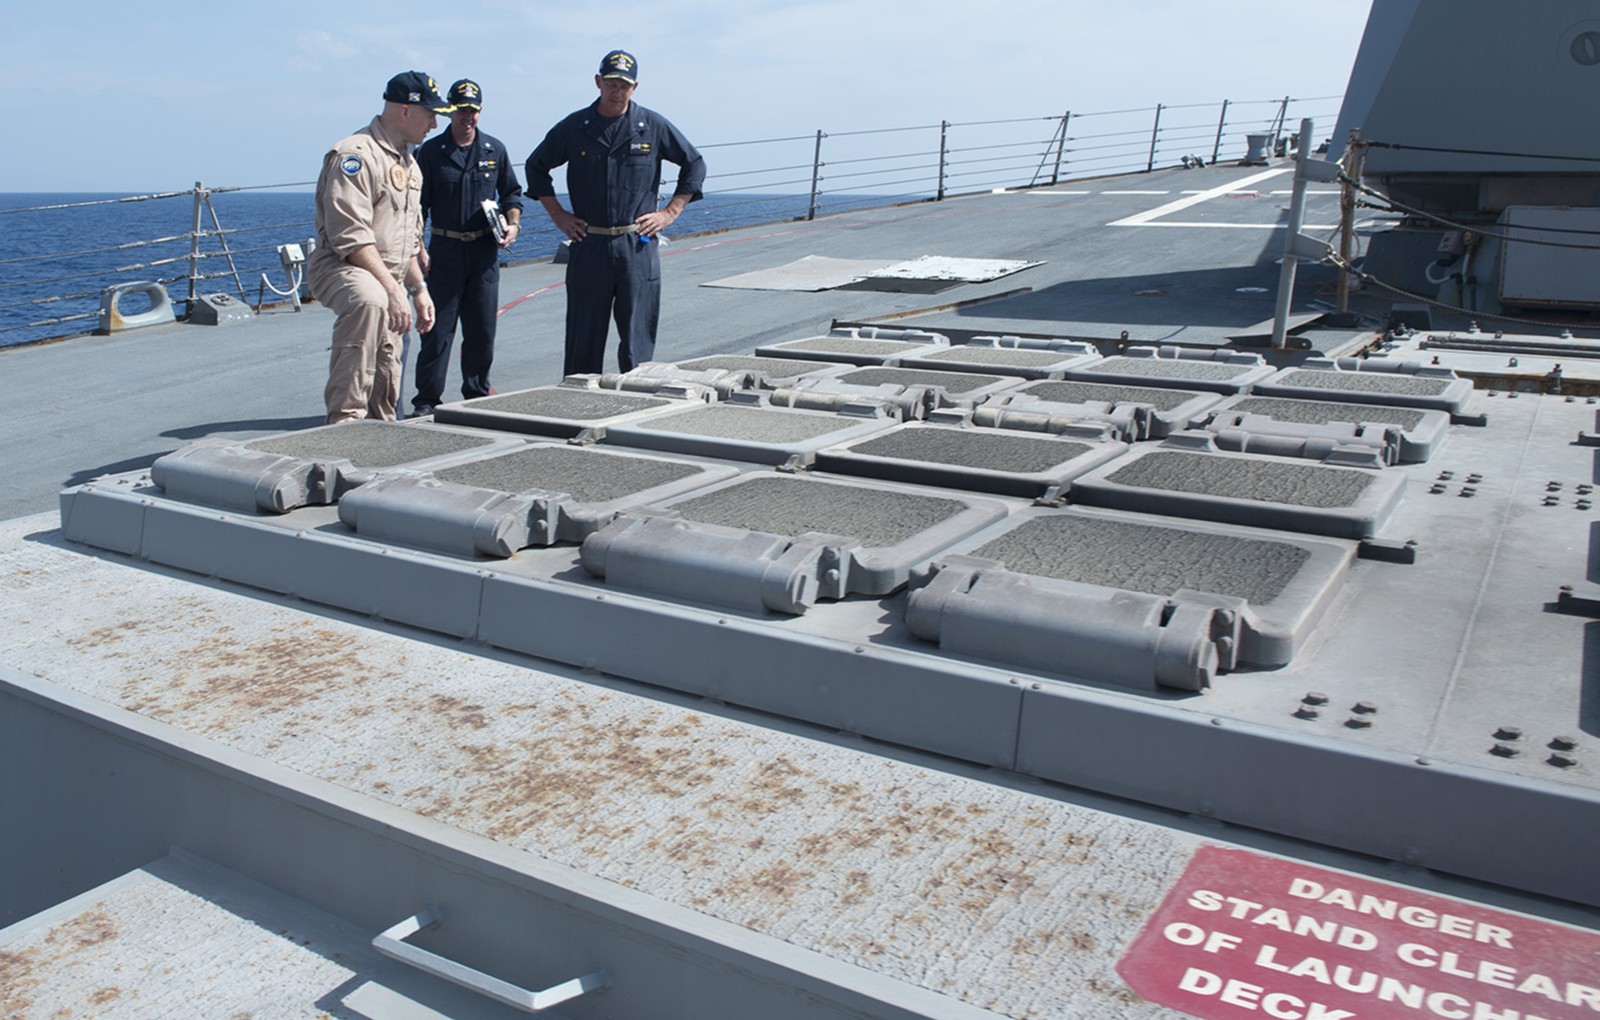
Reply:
x=1141, y=219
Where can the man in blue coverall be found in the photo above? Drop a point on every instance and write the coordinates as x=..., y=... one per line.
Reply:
x=613, y=151
x=462, y=166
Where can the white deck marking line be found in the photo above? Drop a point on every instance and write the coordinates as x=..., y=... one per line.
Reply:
x=1033, y=192
x=1238, y=226
x=1135, y=192
x=1142, y=219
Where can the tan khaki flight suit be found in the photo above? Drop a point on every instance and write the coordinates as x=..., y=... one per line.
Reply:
x=369, y=192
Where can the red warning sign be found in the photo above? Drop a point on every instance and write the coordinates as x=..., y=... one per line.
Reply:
x=1245, y=935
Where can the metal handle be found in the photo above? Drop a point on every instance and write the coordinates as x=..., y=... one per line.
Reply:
x=391, y=943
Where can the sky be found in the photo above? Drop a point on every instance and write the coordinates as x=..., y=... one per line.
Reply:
x=145, y=99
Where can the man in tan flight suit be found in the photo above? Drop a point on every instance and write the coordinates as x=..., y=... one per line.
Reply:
x=369, y=230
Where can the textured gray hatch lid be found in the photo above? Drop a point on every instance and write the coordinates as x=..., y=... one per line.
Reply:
x=978, y=459
x=746, y=429
x=1371, y=381
x=279, y=473
x=1026, y=357
x=1242, y=488
x=563, y=411
x=538, y=495
x=769, y=372
x=1136, y=412
x=780, y=542
x=858, y=346
x=1220, y=371
x=1279, y=584
x=1420, y=430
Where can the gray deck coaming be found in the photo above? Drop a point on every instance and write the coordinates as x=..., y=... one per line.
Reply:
x=155, y=388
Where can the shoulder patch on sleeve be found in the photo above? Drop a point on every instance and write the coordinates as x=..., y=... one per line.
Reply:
x=350, y=163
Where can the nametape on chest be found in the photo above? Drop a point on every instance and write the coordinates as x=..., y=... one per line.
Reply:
x=639, y=148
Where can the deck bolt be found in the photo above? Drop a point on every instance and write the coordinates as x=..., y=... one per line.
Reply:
x=1552, y=500
x=1584, y=490
x=1561, y=761
x=1315, y=698
x=1358, y=722
x=1436, y=488
x=1504, y=751
x=1563, y=743
x=1474, y=479
x=1364, y=708
x=1553, y=486
x=1467, y=490
x=1306, y=712
x=1508, y=733
x=1583, y=504
x=1445, y=476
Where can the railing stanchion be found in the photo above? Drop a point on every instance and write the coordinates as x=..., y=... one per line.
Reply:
x=1061, y=147
x=1155, y=130
x=1221, y=120
x=944, y=156
x=194, y=245
x=816, y=176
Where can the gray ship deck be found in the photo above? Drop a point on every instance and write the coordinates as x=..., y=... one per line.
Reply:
x=814, y=812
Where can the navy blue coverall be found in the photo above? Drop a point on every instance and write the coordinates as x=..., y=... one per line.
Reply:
x=463, y=276
x=611, y=185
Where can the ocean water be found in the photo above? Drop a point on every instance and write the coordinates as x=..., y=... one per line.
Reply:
x=56, y=261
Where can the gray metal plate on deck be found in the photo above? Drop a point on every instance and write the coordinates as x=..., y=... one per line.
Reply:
x=1419, y=388
x=1030, y=362
x=1136, y=412
x=780, y=542
x=1241, y=488
x=280, y=473
x=560, y=411
x=1286, y=580
x=538, y=495
x=750, y=432
x=1226, y=372
x=976, y=459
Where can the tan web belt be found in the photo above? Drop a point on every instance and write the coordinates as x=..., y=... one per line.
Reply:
x=458, y=235
x=632, y=228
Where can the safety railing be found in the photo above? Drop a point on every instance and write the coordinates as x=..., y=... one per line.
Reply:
x=50, y=287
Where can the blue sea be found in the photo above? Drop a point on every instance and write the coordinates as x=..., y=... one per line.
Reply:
x=58, y=256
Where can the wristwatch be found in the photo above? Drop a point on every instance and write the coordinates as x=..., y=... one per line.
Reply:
x=414, y=288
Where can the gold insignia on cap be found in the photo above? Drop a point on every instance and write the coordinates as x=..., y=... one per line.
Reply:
x=621, y=62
